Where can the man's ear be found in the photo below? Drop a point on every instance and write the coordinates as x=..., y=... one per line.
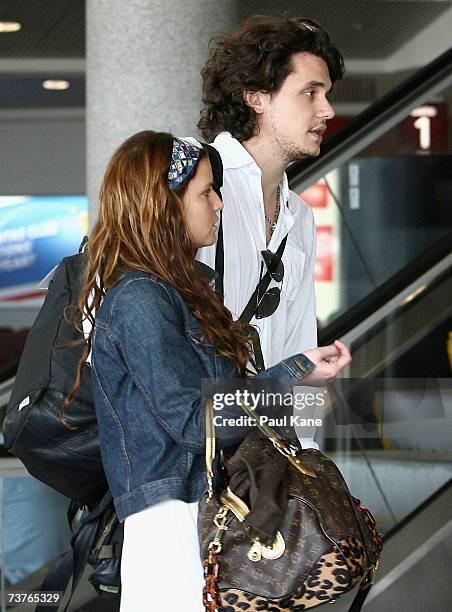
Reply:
x=255, y=100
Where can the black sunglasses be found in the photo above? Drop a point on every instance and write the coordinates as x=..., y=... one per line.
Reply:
x=269, y=302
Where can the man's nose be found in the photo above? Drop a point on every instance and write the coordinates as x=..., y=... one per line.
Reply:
x=326, y=111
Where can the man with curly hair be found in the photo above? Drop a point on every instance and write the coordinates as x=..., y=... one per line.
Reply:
x=265, y=95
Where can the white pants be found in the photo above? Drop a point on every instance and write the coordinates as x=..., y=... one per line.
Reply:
x=161, y=568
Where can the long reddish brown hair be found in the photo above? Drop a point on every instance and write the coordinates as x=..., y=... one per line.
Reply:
x=141, y=225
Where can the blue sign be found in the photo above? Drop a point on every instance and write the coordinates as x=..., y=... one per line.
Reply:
x=35, y=233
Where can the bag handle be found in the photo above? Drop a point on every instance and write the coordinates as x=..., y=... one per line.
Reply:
x=288, y=451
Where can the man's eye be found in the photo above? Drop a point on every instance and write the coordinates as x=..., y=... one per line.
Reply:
x=309, y=93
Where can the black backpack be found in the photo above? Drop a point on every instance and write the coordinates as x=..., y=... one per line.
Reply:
x=67, y=460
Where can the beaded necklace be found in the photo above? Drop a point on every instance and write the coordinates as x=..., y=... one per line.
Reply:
x=272, y=223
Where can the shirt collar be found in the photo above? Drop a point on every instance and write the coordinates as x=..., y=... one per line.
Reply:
x=234, y=155
x=285, y=190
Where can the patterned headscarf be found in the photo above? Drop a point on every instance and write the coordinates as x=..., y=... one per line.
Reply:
x=184, y=159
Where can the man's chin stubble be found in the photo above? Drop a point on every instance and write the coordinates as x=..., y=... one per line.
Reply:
x=293, y=156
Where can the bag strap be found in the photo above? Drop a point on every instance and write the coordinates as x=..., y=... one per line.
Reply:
x=362, y=593
x=217, y=172
x=251, y=307
x=219, y=260
x=73, y=561
x=57, y=577
x=84, y=242
x=275, y=439
x=263, y=284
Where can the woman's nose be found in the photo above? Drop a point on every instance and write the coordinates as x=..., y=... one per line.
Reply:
x=217, y=202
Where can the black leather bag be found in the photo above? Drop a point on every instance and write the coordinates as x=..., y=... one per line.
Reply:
x=66, y=459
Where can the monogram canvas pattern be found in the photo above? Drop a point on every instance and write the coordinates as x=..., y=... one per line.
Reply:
x=330, y=577
x=330, y=546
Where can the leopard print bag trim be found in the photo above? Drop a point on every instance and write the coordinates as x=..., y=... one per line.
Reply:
x=328, y=543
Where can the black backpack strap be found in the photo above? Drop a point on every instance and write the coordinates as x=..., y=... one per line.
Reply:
x=71, y=563
x=250, y=309
x=83, y=244
x=257, y=360
x=217, y=171
x=58, y=576
x=74, y=560
x=261, y=288
x=219, y=260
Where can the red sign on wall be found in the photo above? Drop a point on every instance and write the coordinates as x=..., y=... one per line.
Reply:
x=324, y=257
x=316, y=195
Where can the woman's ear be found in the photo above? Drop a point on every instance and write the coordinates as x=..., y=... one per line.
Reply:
x=255, y=100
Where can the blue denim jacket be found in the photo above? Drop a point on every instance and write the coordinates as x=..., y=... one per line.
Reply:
x=147, y=364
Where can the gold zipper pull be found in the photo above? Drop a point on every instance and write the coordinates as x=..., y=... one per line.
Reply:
x=219, y=521
x=255, y=552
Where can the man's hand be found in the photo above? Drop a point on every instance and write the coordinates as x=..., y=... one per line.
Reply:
x=329, y=361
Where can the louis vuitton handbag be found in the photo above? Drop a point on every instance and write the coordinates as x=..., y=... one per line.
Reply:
x=284, y=533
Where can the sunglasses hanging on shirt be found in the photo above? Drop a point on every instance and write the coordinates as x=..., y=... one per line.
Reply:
x=269, y=302
x=274, y=265
x=261, y=289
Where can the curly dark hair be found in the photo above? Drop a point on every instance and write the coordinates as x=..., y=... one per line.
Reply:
x=256, y=56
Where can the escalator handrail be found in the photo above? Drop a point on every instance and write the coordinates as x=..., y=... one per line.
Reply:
x=388, y=290
x=417, y=511
x=374, y=120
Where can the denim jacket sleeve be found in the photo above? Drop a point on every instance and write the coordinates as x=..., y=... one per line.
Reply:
x=147, y=327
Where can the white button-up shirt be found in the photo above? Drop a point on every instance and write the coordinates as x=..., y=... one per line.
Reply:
x=292, y=328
